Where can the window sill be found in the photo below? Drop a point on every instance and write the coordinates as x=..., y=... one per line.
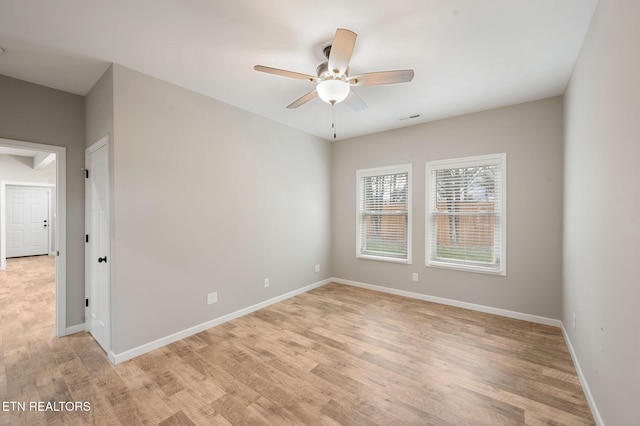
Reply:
x=467, y=268
x=383, y=259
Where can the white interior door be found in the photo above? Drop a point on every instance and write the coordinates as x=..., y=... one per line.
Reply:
x=98, y=257
x=27, y=221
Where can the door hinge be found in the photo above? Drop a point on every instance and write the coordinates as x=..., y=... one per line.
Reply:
x=86, y=303
x=57, y=253
x=86, y=238
x=86, y=173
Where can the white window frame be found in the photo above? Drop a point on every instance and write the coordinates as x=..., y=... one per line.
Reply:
x=380, y=171
x=499, y=252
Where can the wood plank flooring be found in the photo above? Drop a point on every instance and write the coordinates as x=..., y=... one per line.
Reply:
x=336, y=355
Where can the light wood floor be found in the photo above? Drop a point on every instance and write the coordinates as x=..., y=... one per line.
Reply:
x=336, y=355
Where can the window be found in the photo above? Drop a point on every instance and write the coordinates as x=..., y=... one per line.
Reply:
x=384, y=214
x=466, y=213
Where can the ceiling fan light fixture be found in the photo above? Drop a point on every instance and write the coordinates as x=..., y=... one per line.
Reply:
x=333, y=91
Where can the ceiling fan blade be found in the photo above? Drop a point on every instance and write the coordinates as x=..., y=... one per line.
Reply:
x=341, y=51
x=303, y=99
x=284, y=73
x=381, y=77
x=355, y=102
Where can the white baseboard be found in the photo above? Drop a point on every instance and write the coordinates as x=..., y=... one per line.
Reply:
x=74, y=329
x=583, y=380
x=456, y=303
x=117, y=358
x=148, y=347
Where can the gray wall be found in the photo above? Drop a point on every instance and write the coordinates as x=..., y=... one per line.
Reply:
x=208, y=198
x=602, y=225
x=531, y=135
x=33, y=113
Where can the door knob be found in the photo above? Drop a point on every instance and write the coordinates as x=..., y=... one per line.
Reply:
x=102, y=259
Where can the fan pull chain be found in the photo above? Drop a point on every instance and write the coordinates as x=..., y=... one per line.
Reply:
x=333, y=119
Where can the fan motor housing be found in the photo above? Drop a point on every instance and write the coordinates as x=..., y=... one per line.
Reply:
x=323, y=72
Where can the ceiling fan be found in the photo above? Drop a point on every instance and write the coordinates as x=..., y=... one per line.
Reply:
x=333, y=82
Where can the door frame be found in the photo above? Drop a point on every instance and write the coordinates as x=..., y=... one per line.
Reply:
x=3, y=212
x=61, y=226
x=105, y=141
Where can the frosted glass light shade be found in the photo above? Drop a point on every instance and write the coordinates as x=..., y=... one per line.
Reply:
x=333, y=91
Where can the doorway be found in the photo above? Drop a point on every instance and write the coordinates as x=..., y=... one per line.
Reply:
x=58, y=212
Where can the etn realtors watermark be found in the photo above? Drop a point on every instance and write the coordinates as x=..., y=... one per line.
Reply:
x=35, y=406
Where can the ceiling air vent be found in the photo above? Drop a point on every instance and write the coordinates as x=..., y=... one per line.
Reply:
x=410, y=117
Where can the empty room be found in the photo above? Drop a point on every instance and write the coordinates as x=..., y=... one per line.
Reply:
x=421, y=212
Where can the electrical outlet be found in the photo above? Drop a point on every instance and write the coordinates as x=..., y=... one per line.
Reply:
x=415, y=276
x=266, y=282
x=318, y=267
x=574, y=320
x=212, y=298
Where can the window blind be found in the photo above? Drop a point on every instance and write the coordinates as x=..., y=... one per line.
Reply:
x=383, y=218
x=466, y=214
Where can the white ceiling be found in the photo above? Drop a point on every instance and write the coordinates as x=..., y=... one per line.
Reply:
x=5, y=150
x=468, y=55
